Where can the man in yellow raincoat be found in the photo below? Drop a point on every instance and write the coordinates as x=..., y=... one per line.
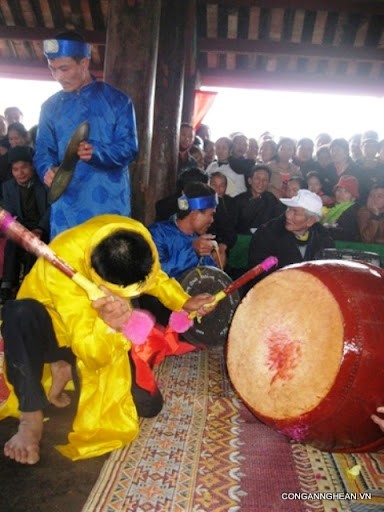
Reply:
x=53, y=321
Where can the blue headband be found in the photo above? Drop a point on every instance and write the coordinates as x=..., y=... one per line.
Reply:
x=56, y=48
x=197, y=203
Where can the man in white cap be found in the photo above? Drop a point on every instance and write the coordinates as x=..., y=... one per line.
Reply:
x=295, y=236
x=101, y=181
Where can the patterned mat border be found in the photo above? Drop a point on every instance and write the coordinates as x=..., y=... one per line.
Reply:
x=185, y=459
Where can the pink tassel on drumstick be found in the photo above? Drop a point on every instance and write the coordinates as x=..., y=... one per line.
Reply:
x=181, y=321
x=140, y=323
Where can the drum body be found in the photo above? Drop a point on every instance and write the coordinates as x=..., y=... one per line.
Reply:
x=306, y=353
x=213, y=328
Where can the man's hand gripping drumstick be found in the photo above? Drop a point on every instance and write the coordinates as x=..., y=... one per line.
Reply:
x=264, y=266
x=200, y=309
x=115, y=311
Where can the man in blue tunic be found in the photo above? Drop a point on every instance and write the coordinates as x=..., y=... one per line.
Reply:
x=101, y=181
x=183, y=242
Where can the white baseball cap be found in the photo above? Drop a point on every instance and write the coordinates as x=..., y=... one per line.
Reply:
x=307, y=200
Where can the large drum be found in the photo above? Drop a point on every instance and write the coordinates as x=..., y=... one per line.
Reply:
x=306, y=353
x=213, y=328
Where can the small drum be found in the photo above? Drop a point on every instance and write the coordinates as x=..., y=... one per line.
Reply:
x=351, y=254
x=306, y=353
x=213, y=328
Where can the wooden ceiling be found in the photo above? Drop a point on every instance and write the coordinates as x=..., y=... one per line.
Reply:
x=288, y=45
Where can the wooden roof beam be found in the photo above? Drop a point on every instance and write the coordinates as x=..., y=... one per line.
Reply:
x=363, y=6
x=276, y=48
x=299, y=82
x=28, y=70
x=39, y=34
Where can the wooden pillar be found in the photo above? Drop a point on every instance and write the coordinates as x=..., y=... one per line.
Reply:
x=168, y=102
x=130, y=65
x=190, y=72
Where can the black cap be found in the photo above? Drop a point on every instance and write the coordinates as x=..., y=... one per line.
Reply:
x=20, y=154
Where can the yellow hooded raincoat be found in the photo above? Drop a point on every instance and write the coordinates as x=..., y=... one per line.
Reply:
x=106, y=417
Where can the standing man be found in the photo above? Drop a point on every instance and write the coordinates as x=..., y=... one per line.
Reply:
x=257, y=205
x=101, y=181
x=25, y=198
x=186, y=138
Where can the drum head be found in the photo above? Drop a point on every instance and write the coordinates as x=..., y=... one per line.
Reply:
x=213, y=328
x=285, y=344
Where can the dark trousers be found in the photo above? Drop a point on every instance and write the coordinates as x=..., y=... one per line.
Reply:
x=14, y=257
x=30, y=341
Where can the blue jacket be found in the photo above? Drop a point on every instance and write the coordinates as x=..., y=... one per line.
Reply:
x=12, y=203
x=101, y=185
x=175, y=249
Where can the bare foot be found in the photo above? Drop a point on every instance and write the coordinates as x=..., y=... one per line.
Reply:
x=24, y=447
x=61, y=373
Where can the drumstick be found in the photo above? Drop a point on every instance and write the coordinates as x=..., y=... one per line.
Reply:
x=264, y=266
x=32, y=243
x=140, y=322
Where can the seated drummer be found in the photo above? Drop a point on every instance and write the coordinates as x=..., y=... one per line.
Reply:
x=183, y=242
x=295, y=236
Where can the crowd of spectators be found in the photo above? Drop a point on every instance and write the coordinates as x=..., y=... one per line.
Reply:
x=258, y=174
x=252, y=177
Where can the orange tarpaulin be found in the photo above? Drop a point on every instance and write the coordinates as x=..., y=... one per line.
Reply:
x=203, y=102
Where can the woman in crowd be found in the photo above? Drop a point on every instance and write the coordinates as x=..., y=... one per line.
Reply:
x=341, y=219
x=18, y=135
x=282, y=167
x=315, y=184
x=371, y=216
x=267, y=151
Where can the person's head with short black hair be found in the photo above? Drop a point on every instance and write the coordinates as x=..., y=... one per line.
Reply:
x=286, y=149
x=68, y=58
x=72, y=35
x=218, y=181
x=304, y=149
x=21, y=160
x=260, y=167
x=203, y=131
x=186, y=136
x=294, y=184
x=13, y=115
x=240, y=145
x=189, y=175
x=196, y=208
x=123, y=258
x=339, y=149
x=17, y=135
x=258, y=179
x=315, y=182
x=267, y=150
x=198, y=155
x=195, y=190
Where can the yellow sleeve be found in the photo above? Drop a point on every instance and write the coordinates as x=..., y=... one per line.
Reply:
x=169, y=291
